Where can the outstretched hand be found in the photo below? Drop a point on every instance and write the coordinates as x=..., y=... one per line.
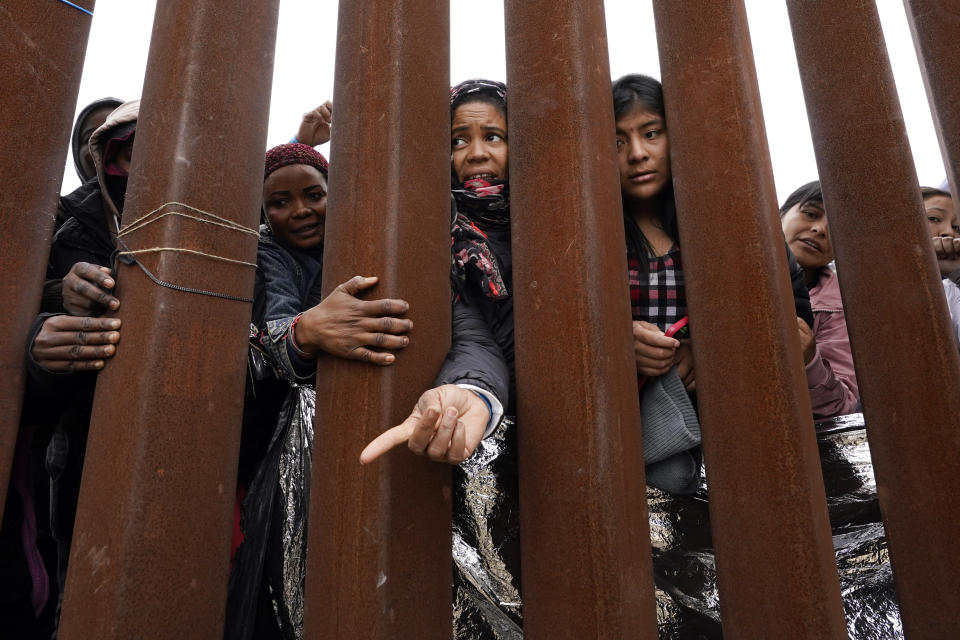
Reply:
x=446, y=425
x=72, y=343
x=86, y=290
x=345, y=326
x=316, y=125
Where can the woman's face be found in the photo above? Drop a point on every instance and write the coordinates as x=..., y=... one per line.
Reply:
x=478, y=142
x=942, y=217
x=805, y=229
x=643, y=154
x=295, y=201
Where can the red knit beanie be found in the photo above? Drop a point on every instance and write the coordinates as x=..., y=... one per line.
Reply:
x=294, y=153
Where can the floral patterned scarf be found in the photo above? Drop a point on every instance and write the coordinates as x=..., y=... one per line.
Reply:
x=479, y=203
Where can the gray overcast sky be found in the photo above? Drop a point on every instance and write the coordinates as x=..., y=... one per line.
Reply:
x=303, y=73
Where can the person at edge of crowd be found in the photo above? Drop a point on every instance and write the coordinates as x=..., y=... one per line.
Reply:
x=662, y=345
x=831, y=378
x=90, y=118
x=70, y=341
x=945, y=227
x=28, y=553
x=476, y=380
x=30, y=481
x=293, y=324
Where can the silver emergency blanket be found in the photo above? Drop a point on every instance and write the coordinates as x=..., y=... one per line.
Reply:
x=486, y=541
x=274, y=552
x=859, y=540
x=487, y=569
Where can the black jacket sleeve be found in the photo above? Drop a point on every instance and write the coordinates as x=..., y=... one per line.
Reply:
x=475, y=357
x=801, y=297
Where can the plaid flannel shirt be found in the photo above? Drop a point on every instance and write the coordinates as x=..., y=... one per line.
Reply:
x=661, y=300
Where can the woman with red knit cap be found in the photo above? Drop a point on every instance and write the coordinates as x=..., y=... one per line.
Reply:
x=296, y=323
x=291, y=324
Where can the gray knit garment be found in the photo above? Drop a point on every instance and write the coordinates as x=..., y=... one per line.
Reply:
x=670, y=431
x=669, y=422
x=679, y=474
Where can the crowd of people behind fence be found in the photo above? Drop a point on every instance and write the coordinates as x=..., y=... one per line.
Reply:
x=78, y=331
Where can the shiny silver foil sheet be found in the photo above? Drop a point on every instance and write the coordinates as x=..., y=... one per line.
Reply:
x=486, y=544
x=274, y=551
x=859, y=540
x=486, y=541
x=286, y=568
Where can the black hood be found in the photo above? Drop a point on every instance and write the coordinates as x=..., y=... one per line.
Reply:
x=113, y=103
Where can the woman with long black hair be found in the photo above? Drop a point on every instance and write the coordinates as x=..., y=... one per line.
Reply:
x=662, y=342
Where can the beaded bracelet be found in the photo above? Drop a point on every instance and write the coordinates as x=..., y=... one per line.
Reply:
x=293, y=339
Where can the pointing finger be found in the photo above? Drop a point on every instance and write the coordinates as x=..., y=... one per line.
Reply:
x=386, y=441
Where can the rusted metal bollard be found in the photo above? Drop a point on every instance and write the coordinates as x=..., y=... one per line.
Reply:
x=905, y=353
x=379, y=560
x=42, y=46
x=775, y=562
x=152, y=536
x=936, y=28
x=586, y=558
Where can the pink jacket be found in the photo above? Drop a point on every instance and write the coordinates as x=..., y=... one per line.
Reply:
x=830, y=375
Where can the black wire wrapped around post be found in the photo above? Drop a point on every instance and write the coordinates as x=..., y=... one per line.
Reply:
x=151, y=542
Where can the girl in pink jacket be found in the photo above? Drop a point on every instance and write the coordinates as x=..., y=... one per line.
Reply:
x=826, y=350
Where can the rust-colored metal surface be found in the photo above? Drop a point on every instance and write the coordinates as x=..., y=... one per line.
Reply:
x=586, y=558
x=775, y=563
x=905, y=353
x=41, y=58
x=379, y=560
x=152, y=536
x=935, y=25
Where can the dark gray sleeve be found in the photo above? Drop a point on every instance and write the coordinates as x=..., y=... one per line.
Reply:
x=475, y=357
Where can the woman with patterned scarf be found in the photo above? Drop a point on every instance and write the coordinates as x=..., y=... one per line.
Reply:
x=463, y=414
x=476, y=381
